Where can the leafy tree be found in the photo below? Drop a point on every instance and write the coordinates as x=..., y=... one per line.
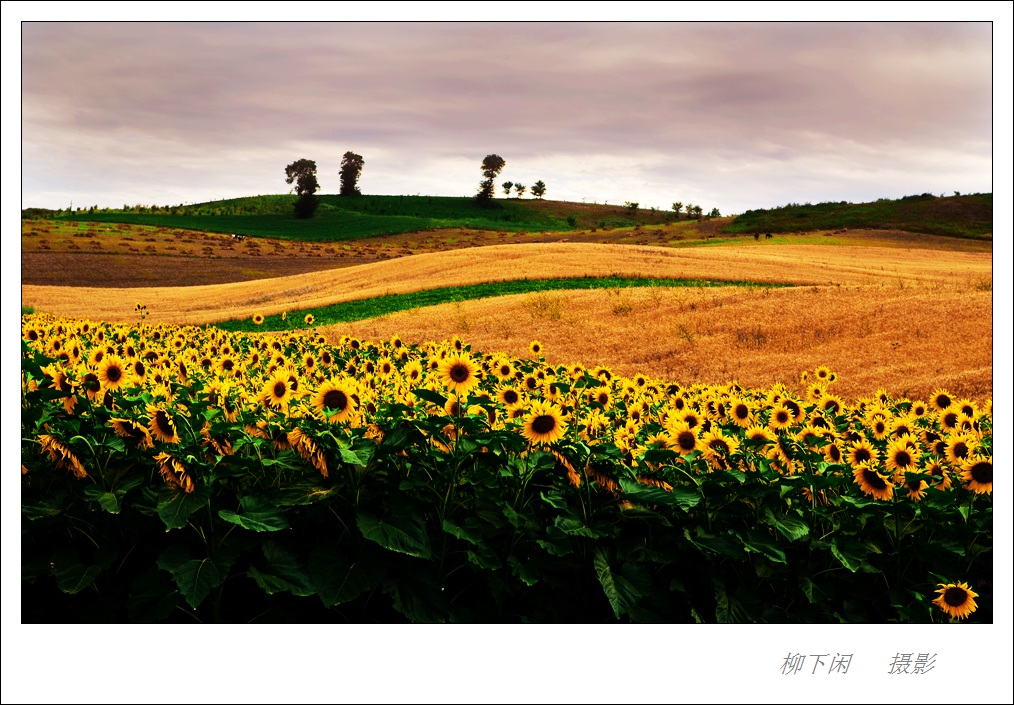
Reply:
x=714, y=213
x=304, y=173
x=632, y=206
x=492, y=165
x=508, y=186
x=352, y=167
x=519, y=189
x=539, y=189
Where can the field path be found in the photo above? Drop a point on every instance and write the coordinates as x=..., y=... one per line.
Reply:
x=785, y=263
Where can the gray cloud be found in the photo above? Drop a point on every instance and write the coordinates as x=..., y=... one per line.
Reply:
x=740, y=115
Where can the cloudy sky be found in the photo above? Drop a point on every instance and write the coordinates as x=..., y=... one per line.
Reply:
x=728, y=115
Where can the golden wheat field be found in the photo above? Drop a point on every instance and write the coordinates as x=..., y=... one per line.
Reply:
x=884, y=314
x=790, y=263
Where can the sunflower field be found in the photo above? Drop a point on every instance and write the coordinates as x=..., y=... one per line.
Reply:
x=193, y=474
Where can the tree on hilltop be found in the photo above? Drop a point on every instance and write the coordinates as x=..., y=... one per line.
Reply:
x=492, y=165
x=519, y=189
x=304, y=173
x=539, y=189
x=352, y=167
x=508, y=186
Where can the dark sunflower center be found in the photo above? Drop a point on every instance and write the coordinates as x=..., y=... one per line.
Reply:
x=950, y=420
x=279, y=389
x=459, y=373
x=543, y=424
x=902, y=458
x=603, y=398
x=505, y=370
x=90, y=382
x=834, y=453
x=982, y=472
x=336, y=400
x=943, y=401
x=164, y=424
x=227, y=365
x=686, y=440
x=139, y=368
x=782, y=417
x=114, y=373
x=719, y=445
x=741, y=412
x=510, y=396
x=874, y=480
x=955, y=596
x=880, y=427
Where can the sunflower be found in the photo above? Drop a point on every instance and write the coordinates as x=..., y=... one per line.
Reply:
x=878, y=426
x=600, y=396
x=509, y=397
x=683, y=438
x=161, y=424
x=132, y=430
x=741, y=413
x=780, y=418
x=276, y=391
x=823, y=373
x=503, y=369
x=956, y=599
x=91, y=383
x=334, y=401
x=308, y=319
x=901, y=456
x=112, y=372
x=175, y=473
x=916, y=489
x=258, y=319
x=717, y=448
x=385, y=368
x=458, y=373
x=941, y=399
x=937, y=469
x=535, y=347
x=833, y=453
x=544, y=423
x=862, y=451
x=815, y=392
x=919, y=409
x=978, y=473
x=949, y=419
x=307, y=449
x=758, y=436
x=872, y=482
x=62, y=455
x=960, y=447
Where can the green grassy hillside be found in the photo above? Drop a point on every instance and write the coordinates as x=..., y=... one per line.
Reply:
x=337, y=218
x=956, y=216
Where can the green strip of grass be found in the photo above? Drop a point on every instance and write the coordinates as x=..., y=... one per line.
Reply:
x=391, y=303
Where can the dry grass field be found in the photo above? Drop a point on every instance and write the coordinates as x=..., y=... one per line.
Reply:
x=909, y=340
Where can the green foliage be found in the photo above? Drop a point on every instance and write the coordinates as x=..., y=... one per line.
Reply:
x=969, y=216
x=304, y=173
x=492, y=165
x=340, y=219
x=539, y=189
x=382, y=305
x=351, y=169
